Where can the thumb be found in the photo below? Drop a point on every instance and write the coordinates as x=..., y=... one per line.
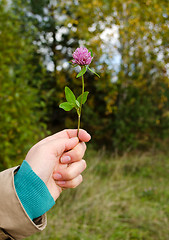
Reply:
x=59, y=146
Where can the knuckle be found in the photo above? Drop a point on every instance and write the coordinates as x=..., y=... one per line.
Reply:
x=84, y=163
x=76, y=182
x=80, y=178
x=70, y=174
x=74, y=185
x=80, y=150
x=78, y=155
x=84, y=146
x=66, y=131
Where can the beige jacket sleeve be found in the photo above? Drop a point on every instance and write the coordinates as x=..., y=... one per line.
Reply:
x=14, y=221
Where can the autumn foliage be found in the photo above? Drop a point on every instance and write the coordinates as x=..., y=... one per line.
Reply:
x=127, y=107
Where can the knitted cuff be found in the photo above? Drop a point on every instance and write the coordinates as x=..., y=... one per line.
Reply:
x=32, y=192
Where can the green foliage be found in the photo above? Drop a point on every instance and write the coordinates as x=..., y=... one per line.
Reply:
x=91, y=52
x=131, y=111
x=93, y=72
x=72, y=101
x=19, y=112
x=128, y=106
x=84, y=99
x=82, y=72
x=67, y=106
x=70, y=97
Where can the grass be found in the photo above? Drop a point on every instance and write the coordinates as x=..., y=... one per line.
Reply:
x=121, y=198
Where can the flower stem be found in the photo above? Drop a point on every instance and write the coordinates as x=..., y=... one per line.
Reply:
x=80, y=109
x=78, y=125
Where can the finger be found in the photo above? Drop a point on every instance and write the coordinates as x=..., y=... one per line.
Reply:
x=74, y=155
x=60, y=166
x=83, y=135
x=59, y=146
x=70, y=133
x=70, y=172
x=67, y=133
x=61, y=134
x=71, y=183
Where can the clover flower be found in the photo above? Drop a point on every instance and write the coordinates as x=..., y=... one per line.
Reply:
x=82, y=57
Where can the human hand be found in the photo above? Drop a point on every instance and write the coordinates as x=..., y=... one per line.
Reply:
x=45, y=160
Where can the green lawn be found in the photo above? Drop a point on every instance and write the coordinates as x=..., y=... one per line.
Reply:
x=121, y=198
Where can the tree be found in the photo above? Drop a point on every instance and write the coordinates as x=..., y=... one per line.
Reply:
x=142, y=100
x=128, y=106
x=19, y=112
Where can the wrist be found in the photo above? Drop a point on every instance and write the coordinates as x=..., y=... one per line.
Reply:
x=32, y=191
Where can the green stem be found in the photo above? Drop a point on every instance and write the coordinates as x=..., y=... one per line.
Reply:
x=80, y=109
x=78, y=125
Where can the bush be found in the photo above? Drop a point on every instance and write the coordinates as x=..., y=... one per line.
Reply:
x=20, y=116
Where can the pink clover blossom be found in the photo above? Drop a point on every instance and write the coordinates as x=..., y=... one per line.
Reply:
x=82, y=56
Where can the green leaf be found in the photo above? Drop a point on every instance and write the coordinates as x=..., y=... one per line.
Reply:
x=82, y=72
x=85, y=94
x=77, y=104
x=93, y=72
x=66, y=106
x=70, y=97
x=90, y=50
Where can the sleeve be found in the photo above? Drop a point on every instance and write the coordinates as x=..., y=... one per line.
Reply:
x=32, y=192
x=14, y=220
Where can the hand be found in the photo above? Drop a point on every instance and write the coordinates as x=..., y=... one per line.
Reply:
x=45, y=159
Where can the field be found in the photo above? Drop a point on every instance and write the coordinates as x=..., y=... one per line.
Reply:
x=121, y=198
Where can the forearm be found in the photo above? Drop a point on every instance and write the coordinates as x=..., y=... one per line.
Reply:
x=14, y=220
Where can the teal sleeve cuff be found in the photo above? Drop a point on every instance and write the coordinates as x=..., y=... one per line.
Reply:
x=32, y=192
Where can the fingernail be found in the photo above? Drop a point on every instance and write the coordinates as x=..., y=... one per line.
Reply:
x=65, y=159
x=57, y=176
x=61, y=182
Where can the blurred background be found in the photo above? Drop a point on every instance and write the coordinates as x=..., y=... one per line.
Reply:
x=126, y=186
